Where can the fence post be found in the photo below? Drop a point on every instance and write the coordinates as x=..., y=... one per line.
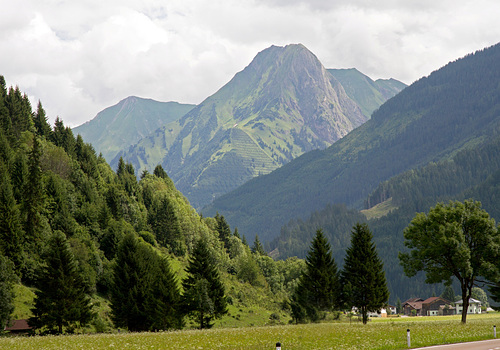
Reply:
x=278, y=346
x=494, y=331
x=408, y=337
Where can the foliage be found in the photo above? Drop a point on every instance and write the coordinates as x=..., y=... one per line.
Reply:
x=7, y=280
x=455, y=240
x=318, y=289
x=363, y=277
x=62, y=299
x=204, y=297
x=454, y=108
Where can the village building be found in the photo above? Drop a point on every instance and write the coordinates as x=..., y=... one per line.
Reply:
x=474, y=306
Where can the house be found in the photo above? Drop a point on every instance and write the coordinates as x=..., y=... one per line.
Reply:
x=413, y=307
x=392, y=309
x=474, y=306
x=18, y=327
x=435, y=306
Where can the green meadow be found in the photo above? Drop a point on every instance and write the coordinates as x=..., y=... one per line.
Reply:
x=390, y=333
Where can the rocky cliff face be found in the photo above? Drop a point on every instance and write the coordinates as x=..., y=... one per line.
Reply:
x=283, y=104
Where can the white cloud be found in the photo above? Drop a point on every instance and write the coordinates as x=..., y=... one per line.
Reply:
x=80, y=57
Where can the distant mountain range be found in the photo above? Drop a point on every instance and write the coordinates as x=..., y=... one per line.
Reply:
x=122, y=125
x=454, y=110
x=285, y=103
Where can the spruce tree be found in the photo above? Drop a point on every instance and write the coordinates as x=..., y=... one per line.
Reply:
x=223, y=230
x=11, y=230
x=42, y=127
x=62, y=298
x=257, y=247
x=318, y=289
x=363, y=274
x=127, y=292
x=203, y=298
x=7, y=280
x=33, y=193
x=165, y=225
x=448, y=294
x=144, y=293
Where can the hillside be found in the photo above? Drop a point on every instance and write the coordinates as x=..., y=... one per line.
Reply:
x=54, y=185
x=122, y=125
x=283, y=104
x=453, y=109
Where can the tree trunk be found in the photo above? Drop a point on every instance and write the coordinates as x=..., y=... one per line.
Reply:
x=465, y=301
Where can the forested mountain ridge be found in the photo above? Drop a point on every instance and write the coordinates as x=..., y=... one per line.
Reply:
x=124, y=124
x=454, y=108
x=283, y=104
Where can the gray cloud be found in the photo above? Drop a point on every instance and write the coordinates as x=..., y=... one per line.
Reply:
x=80, y=57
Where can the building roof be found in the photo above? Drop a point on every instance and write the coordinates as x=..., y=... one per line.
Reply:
x=434, y=299
x=471, y=301
x=18, y=325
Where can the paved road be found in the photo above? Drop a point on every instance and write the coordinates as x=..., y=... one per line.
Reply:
x=493, y=344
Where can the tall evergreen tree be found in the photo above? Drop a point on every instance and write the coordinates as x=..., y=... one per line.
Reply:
x=363, y=274
x=203, y=297
x=127, y=293
x=448, y=294
x=257, y=247
x=163, y=297
x=165, y=225
x=42, y=127
x=62, y=298
x=33, y=193
x=318, y=289
x=223, y=229
x=7, y=280
x=11, y=230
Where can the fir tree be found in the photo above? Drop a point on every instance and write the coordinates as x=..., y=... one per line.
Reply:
x=33, y=193
x=62, y=299
x=127, y=293
x=363, y=274
x=257, y=247
x=165, y=224
x=203, y=297
x=448, y=294
x=11, y=230
x=7, y=280
x=318, y=288
x=42, y=127
x=223, y=230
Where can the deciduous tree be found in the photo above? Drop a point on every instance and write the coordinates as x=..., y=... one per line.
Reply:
x=453, y=240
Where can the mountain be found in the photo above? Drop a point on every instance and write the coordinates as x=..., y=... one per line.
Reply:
x=368, y=94
x=285, y=103
x=455, y=108
x=122, y=125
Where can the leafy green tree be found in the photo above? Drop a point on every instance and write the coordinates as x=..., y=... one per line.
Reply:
x=454, y=240
x=7, y=280
x=363, y=273
x=62, y=298
x=203, y=297
x=318, y=288
x=480, y=294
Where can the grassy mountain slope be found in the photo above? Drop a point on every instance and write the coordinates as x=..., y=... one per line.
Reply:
x=122, y=125
x=283, y=104
x=368, y=94
x=455, y=108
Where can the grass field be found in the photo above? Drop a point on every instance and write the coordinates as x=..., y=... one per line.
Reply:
x=377, y=334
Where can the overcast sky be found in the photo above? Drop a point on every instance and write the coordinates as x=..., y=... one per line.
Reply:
x=81, y=56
